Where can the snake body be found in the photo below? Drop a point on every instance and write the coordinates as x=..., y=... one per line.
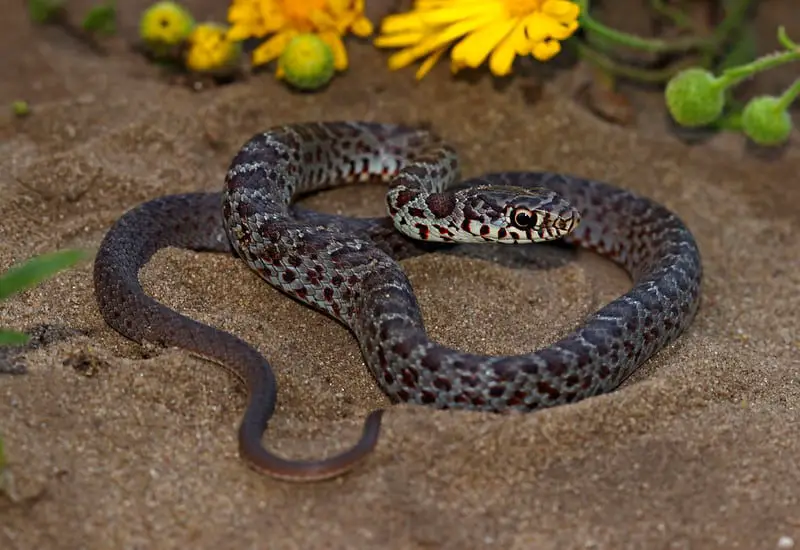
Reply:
x=348, y=268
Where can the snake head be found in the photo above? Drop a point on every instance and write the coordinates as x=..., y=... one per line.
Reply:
x=516, y=215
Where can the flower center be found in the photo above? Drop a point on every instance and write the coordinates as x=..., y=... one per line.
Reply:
x=519, y=8
x=301, y=10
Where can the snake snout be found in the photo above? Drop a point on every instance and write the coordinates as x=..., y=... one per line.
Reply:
x=567, y=221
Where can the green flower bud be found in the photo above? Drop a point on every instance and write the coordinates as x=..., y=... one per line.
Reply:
x=306, y=62
x=695, y=97
x=20, y=108
x=765, y=121
x=165, y=24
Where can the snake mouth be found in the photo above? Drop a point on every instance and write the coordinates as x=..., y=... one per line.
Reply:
x=566, y=224
x=555, y=228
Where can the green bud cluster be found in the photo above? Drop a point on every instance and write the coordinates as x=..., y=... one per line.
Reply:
x=696, y=97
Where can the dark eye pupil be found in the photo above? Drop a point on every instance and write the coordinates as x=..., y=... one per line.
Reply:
x=522, y=218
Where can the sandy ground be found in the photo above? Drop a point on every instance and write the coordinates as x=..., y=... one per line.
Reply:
x=131, y=449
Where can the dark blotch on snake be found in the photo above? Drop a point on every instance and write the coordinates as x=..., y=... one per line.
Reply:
x=403, y=197
x=441, y=204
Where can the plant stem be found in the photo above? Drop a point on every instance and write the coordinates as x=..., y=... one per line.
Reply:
x=788, y=97
x=735, y=75
x=785, y=41
x=650, y=76
x=675, y=15
x=652, y=45
x=732, y=20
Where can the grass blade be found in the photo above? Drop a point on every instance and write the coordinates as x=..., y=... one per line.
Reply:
x=37, y=269
x=13, y=338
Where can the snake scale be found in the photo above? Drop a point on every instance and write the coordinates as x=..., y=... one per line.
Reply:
x=347, y=268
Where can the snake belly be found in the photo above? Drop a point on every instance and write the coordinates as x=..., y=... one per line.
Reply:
x=347, y=268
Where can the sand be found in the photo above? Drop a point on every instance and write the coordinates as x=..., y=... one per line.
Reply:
x=116, y=446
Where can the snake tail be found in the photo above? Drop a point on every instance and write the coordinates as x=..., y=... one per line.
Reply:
x=193, y=221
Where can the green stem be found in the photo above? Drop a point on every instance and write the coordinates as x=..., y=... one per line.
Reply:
x=675, y=15
x=653, y=45
x=734, y=75
x=785, y=41
x=788, y=97
x=608, y=65
x=732, y=20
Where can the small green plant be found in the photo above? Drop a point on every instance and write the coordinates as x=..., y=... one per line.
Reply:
x=20, y=108
x=45, y=11
x=98, y=20
x=101, y=19
x=30, y=274
x=697, y=97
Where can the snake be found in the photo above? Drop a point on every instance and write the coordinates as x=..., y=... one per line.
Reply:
x=348, y=268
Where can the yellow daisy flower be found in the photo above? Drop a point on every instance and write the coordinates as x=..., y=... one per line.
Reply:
x=285, y=19
x=497, y=29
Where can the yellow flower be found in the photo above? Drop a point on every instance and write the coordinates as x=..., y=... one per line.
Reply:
x=209, y=49
x=285, y=19
x=498, y=29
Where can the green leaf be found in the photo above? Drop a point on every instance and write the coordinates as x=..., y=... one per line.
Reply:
x=101, y=19
x=37, y=269
x=42, y=11
x=13, y=338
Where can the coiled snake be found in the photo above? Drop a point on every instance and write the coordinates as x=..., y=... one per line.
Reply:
x=347, y=268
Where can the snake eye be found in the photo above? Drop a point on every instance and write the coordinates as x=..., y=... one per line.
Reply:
x=523, y=218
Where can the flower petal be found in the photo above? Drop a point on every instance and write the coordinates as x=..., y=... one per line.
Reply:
x=399, y=40
x=562, y=10
x=272, y=48
x=502, y=57
x=402, y=58
x=428, y=64
x=238, y=33
x=401, y=22
x=337, y=47
x=362, y=27
x=459, y=12
x=322, y=20
x=337, y=7
x=451, y=33
x=546, y=50
x=473, y=49
x=539, y=27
